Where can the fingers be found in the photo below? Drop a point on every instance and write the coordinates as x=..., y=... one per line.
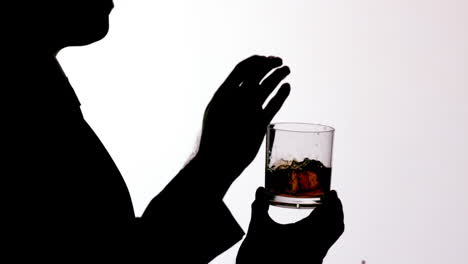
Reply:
x=257, y=70
x=251, y=70
x=329, y=214
x=271, y=82
x=333, y=205
x=254, y=68
x=276, y=102
x=333, y=216
x=248, y=74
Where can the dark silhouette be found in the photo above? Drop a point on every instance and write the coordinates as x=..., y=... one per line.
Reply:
x=65, y=199
x=306, y=241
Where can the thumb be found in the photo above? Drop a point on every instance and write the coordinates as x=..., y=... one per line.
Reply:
x=260, y=207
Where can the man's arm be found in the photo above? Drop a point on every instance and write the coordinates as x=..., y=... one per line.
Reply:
x=189, y=218
x=189, y=214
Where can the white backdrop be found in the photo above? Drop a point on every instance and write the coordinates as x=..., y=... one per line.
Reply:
x=389, y=75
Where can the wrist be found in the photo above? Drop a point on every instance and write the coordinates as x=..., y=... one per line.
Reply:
x=208, y=176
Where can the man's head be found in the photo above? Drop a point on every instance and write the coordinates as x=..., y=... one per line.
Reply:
x=56, y=24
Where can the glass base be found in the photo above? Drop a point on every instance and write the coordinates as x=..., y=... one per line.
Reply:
x=295, y=202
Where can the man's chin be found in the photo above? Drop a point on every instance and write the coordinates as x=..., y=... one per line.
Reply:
x=88, y=37
x=85, y=42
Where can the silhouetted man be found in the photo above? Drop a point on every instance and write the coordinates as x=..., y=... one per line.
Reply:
x=66, y=199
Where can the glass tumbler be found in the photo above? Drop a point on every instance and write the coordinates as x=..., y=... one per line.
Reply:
x=298, y=163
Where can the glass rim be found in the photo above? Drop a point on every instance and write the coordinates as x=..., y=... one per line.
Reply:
x=324, y=128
